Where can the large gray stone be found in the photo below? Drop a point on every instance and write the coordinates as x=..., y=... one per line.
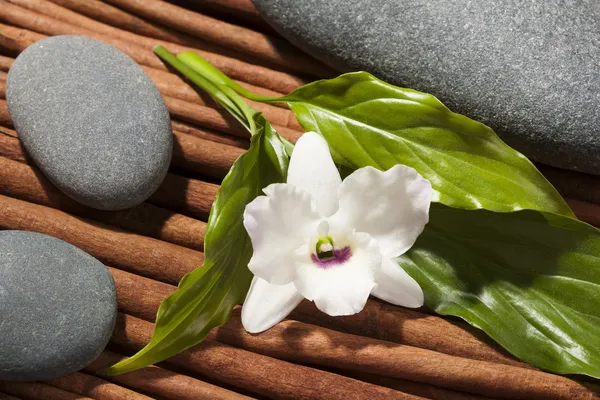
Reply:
x=91, y=119
x=529, y=69
x=58, y=307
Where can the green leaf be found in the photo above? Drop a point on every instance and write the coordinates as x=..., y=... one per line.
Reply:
x=369, y=122
x=219, y=91
x=206, y=296
x=529, y=279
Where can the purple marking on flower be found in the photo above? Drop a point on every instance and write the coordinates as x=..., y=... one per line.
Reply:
x=340, y=256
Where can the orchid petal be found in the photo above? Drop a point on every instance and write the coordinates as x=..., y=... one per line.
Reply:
x=312, y=169
x=341, y=289
x=391, y=206
x=267, y=304
x=277, y=225
x=395, y=286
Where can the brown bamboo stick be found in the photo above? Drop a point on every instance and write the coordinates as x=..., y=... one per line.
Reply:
x=145, y=306
x=585, y=211
x=94, y=387
x=139, y=296
x=31, y=27
x=163, y=383
x=143, y=255
x=185, y=92
x=4, y=396
x=175, y=80
x=316, y=345
x=383, y=321
x=189, y=196
x=98, y=11
x=14, y=40
x=179, y=89
x=203, y=156
x=141, y=50
x=189, y=152
x=219, y=120
x=422, y=330
x=5, y=63
x=10, y=147
x=62, y=13
x=243, y=40
x=157, y=75
x=4, y=116
x=262, y=375
x=243, y=9
x=575, y=185
x=219, y=137
x=2, y=88
x=37, y=390
x=416, y=388
x=24, y=182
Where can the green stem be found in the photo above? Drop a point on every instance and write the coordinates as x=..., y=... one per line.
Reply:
x=219, y=91
x=206, y=69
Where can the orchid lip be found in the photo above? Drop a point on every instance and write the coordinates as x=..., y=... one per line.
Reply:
x=340, y=256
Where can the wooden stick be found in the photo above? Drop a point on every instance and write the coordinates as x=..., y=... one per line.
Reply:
x=243, y=9
x=219, y=120
x=171, y=86
x=24, y=182
x=175, y=80
x=189, y=152
x=205, y=42
x=103, y=12
x=415, y=388
x=575, y=185
x=37, y=390
x=585, y=211
x=94, y=387
x=143, y=255
x=206, y=157
x=14, y=40
x=5, y=63
x=4, y=116
x=264, y=47
x=189, y=196
x=219, y=137
x=248, y=371
x=459, y=341
x=383, y=321
x=157, y=75
x=316, y=345
x=4, y=396
x=185, y=92
x=163, y=383
x=139, y=296
x=129, y=287
x=141, y=50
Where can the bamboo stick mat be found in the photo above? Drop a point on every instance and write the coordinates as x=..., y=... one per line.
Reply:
x=385, y=352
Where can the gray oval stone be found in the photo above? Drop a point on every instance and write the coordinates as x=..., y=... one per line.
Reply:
x=91, y=119
x=528, y=69
x=58, y=307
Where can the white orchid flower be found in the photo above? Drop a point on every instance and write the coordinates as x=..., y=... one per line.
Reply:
x=332, y=242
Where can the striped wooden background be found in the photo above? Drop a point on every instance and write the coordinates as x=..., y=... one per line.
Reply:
x=385, y=352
